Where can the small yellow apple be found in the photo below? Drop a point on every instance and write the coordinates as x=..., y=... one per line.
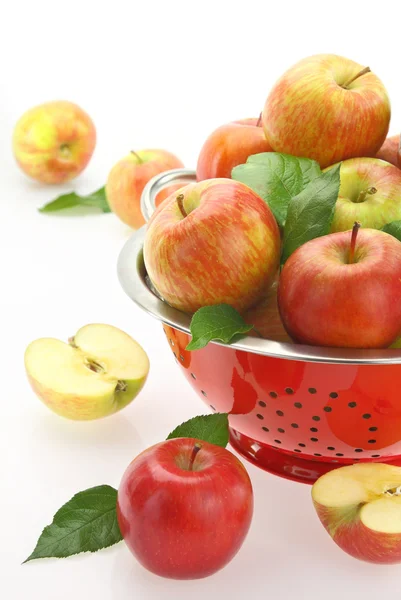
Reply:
x=99, y=372
x=53, y=142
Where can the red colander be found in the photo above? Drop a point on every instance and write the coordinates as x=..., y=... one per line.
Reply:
x=297, y=411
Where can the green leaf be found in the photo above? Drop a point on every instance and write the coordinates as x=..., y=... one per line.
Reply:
x=311, y=212
x=86, y=523
x=394, y=229
x=219, y=322
x=208, y=428
x=277, y=178
x=97, y=200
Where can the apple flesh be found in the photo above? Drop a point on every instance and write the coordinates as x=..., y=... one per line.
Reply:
x=370, y=192
x=390, y=151
x=98, y=373
x=54, y=142
x=340, y=290
x=229, y=146
x=346, y=108
x=128, y=178
x=184, y=508
x=360, y=507
x=215, y=242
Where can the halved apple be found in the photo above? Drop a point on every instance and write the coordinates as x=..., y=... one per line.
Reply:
x=360, y=507
x=96, y=374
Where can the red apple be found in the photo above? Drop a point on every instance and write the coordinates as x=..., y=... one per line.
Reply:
x=265, y=317
x=360, y=507
x=370, y=192
x=390, y=151
x=215, y=242
x=129, y=176
x=184, y=508
x=54, y=142
x=328, y=108
x=229, y=146
x=343, y=290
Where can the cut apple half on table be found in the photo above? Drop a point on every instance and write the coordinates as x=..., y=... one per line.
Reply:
x=360, y=507
x=96, y=374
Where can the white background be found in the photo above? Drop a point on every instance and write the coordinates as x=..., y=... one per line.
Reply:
x=161, y=74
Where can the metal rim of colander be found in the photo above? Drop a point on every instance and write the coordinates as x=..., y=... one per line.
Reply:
x=133, y=279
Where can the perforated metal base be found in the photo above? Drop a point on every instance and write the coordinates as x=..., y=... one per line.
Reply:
x=287, y=465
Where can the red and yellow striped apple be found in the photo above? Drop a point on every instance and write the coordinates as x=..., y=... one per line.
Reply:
x=343, y=290
x=129, y=176
x=370, y=192
x=390, y=151
x=214, y=242
x=360, y=507
x=328, y=108
x=99, y=372
x=230, y=145
x=54, y=142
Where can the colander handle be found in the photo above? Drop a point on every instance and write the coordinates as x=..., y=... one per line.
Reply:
x=158, y=183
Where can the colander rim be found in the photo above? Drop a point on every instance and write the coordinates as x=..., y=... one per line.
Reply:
x=132, y=276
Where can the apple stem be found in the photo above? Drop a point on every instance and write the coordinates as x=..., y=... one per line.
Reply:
x=121, y=386
x=195, y=451
x=362, y=194
x=180, y=203
x=363, y=72
x=353, y=242
x=257, y=332
x=258, y=122
x=71, y=342
x=139, y=159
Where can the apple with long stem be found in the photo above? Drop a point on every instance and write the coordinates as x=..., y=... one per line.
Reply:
x=99, y=372
x=230, y=145
x=345, y=106
x=360, y=507
x=184, y=508
x=343, y=290
x=370, y=192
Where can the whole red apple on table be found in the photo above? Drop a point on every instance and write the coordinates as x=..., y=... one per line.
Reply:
x=343, y=290
x=230, y=145
x=328, y=108
x=54, y=142
x=184, y=508
x=360, y=507
x=215, y=242
x=129, y=176
x=390, y=151
x=370, y=192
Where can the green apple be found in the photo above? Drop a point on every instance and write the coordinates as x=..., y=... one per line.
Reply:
x=370, y=193
x=96, y=374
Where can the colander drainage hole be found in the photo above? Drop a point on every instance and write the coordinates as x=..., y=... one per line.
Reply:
x=302, y=445
x=297, y=405
x=339, y=454
x=371, y=441
x=289, y=390
x=372, y=428
x=278, y=441
x=281, y=430
x=181, y=358
x=352, y=404
x=327, y=409
x=317, y=454
x=294, y=425
x=265, y=429
x=259, y=416
x=314, y=439
x=366, y=416
x=279, y=413
x=315, y=418
x=358, y=450
x=297, y=450
x=204, y=393
x=314, y=429
x=333, y=395
x=312, y=390
x=330, y=448
x=262, y=404
x=171, y=342
x=212, y=407
x=193, y=375
x=273, y=394
x=375, y=455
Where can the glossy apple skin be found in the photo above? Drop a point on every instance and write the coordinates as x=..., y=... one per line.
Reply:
x=226, y=250
x=390, y=151
x=229, y=146
x=358, y=174
x=129, y=176
x=184, y=524
x=309, y=114
x=54, y=142
x=351, y=535
x=265, y=317
x=324, y=301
